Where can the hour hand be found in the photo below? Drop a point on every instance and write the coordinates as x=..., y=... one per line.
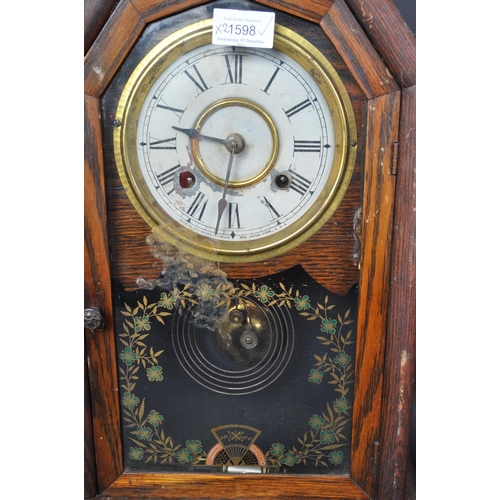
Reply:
x=223, y=202
x=192, y=133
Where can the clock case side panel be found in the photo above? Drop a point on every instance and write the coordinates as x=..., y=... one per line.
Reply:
x=383, y=26
x=395, y=472
x=99, y=343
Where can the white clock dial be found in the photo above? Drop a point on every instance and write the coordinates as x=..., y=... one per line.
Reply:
x=268, y=101
x=245, y=147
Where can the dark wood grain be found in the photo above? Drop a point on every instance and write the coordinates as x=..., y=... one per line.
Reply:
x=100, y=345
x=360, y=56
x=90, y=472
x=96, y=13
x=384, y=26
x=226, y=486
x=411, y=482
x=382, y=130
x=151, y=10
x=399, y=375
x=110, y=48
x=312, y=10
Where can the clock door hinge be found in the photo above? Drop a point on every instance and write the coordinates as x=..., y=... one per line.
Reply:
x=395, y=157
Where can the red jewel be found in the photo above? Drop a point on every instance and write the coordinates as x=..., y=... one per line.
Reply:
x=186, y=180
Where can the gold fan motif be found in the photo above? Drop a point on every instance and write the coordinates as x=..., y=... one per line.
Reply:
x=236, y=447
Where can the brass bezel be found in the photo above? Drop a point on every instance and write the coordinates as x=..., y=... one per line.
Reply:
x=130, y=104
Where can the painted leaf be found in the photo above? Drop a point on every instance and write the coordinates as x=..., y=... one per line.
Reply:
x=141, y=409
x=330, y=412
x=332, y=446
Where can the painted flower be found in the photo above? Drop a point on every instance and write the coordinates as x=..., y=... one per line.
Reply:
x=129, y=400
x=302, y=302
x=316, y=376
x=144, y=433
x=175, y=295
x=141, y=323
x=128, y=356
x=135, y=453
x=205, y=292
x=289, y=459
x=316, y=422
x=277, y=449
x=342, y=405
x=327, y=437
x=336, y=457
x=329, y=326
x=154, y=418
x=183, y=456
x=193, y=446
x=155, y=374
x=264, y=293
x=167, y=300
x=342, y=359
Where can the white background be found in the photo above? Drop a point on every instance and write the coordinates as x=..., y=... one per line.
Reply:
x=457, y=257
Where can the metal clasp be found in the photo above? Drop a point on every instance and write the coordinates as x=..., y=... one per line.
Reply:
x=92, y=318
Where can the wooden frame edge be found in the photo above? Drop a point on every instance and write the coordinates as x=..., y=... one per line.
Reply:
x=232, y=487
x=388, y=32
x=96, y=90
x=310, y=10
x=377, y=218
x=358, y=53
x=100, y=343
x=399, y=389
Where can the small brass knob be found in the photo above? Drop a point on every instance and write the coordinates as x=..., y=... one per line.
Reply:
x=249, y=340
x=236, y=316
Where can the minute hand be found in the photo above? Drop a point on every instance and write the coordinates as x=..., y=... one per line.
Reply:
x=223, y=202
x=192, y=133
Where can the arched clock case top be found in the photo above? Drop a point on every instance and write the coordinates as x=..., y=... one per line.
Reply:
x=114, y=236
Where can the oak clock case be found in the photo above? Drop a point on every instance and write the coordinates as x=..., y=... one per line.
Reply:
x=238, y=365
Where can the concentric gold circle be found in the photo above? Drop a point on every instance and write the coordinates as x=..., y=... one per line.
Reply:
x=210, y=111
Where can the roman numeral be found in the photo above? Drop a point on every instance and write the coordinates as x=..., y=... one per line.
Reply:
x=156, y=144
x=274, y=213
x=233, y=216
x=235, y=77
x=299, y=184
x=306, y=146
x=167, y=177
x=178, y=112
x=197, y=208
x=298, y=107
x=197, y=79
x=271, y=80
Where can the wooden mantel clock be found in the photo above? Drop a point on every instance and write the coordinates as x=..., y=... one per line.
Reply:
x=249, y=236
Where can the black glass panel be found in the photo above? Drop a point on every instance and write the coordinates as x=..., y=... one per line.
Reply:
x=237, y=373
